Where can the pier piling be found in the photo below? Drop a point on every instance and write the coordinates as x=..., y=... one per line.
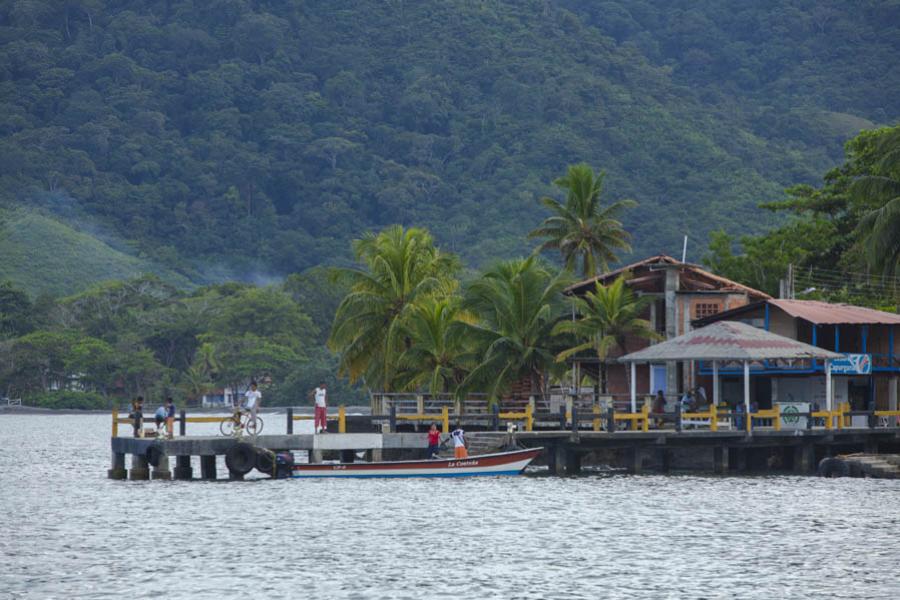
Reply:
x=117, y=468
x=183, y=470
x=208, y=466
x=161, y=470
x=139, y=469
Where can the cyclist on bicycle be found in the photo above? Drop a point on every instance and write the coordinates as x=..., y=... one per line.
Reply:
x=252, y=400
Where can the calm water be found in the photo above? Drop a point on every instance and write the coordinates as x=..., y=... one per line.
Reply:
x=69, y=532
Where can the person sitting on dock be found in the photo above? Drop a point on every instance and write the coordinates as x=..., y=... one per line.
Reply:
x=160, y=417
x=459, y=442
x=434, y=441
x=252, y=400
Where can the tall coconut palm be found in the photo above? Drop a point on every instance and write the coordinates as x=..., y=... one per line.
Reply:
x=400, y=269
x=608, y=316
x=517, y=304
x=587, y=235
x=879, y=228
x=439, y=355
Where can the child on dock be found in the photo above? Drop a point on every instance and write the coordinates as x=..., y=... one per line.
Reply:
x=137, y=415
x=320, y=416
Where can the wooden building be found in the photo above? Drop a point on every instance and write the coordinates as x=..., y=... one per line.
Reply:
x=682, y=293
x=867, y=338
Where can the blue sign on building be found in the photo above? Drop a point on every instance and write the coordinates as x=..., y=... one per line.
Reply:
x=852, y=364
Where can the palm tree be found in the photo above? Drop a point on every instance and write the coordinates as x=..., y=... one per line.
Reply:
x=439, y=355
x=879, y=228
x=584, y=232
x=517, y=303
x=401, y=269
x=608, y=316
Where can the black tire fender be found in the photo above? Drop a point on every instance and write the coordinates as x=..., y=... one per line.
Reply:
x=265, y=461
x=240, y=458
x=833, y=467
x=154, y=454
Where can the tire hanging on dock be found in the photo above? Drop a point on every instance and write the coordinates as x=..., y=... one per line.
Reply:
x=154, y=454
x=240, y=458
x=833, y=467
x=265, y=461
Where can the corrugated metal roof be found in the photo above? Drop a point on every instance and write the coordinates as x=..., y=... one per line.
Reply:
x=726, y=341
x=825, y=313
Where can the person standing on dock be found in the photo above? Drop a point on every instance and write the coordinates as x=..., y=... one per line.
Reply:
x=137, y=414
x=459, y=443
x=321, y=409
x=170, y=417
x=252, y=400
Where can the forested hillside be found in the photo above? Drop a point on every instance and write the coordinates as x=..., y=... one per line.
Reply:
x=230, y=137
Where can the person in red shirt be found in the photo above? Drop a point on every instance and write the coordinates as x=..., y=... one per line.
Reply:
x=434, y=441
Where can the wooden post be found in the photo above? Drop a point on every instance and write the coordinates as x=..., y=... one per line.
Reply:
x=445, y=418
x=342, y=419
x=611, y=419
x=678, y=424
x=777, y=417
x=115, y=422
x=529, y=417
x=495, y=415
x=290, y=420
x=715, y=383
x=182, y=424
x=714, y=418
x=596, y=411
x=393, y=418
x=574, y=419
x=562, y=417
x=633, y=387
x=747, y=393
x=645, y=426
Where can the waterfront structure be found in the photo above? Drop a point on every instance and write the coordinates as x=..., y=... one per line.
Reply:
x=732, y=345
x=682, y=293
x=867, y=372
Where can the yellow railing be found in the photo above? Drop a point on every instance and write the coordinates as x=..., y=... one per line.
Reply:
x=527, y=416
x=341, y=418
x=712, y=415
x=642, y=418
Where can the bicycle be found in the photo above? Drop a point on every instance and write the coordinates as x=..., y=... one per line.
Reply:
x=239, y=423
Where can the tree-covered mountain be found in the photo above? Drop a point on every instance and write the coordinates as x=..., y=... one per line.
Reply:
x=263, y=135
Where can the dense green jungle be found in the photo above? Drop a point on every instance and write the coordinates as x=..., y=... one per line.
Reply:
x=178, y=177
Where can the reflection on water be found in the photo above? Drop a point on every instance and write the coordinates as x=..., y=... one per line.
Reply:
x=69, y=532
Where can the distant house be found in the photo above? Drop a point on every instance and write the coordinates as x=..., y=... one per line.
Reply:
x=868, y=339
x=682, y=293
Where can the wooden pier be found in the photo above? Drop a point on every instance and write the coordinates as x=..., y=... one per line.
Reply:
x=721, y=442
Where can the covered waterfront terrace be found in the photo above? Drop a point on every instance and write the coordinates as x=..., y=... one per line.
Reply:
x=727, y=343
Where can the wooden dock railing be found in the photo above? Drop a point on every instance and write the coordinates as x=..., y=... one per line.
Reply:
x=714, y=418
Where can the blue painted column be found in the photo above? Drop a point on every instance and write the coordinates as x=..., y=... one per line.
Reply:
x=837, y=338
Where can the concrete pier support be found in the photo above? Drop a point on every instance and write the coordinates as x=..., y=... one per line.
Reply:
x=117, y=467
x=374, y=455
x=805, y=459
x=208, y=467
x=559, y=460
x=183, y=468
x=315, y=456
x=161, y=471
x=740, y=459
x=637, y=460
x=139, y=469
x=871, y=446
x=720, y=459
x=665, y=460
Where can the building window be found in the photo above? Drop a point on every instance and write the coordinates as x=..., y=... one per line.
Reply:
x=705, y=309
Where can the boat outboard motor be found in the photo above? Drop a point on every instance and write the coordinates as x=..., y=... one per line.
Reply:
x=284, y=465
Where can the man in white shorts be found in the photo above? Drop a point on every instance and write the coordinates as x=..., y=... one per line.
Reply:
x=252, y=401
